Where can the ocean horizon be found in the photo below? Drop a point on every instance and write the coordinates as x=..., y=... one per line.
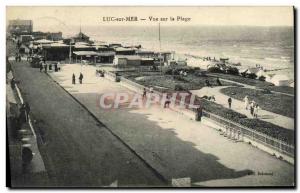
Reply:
x=270, y=47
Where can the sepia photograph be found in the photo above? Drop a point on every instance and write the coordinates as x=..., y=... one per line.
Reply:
x=150, y=97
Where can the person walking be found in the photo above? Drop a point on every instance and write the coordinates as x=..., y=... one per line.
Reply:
x=73, y=79
x=144, y=93
x=13, y=83
x=45, y=67
x=41, y=66
x=167, y=102
x=246, y=99
x=80, y=78
x=199, y=114
x=219, y=82
x=229, y=102
x=252, y=108
x=256, y=108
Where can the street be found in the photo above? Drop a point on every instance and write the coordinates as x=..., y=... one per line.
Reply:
x=77, y=150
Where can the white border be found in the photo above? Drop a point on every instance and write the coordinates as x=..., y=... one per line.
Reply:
x=5, y=3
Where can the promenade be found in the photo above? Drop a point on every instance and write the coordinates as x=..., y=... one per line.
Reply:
x=172, y=143
x=77, y=150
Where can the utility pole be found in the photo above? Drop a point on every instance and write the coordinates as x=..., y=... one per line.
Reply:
x=159, y=49
x=70, y=52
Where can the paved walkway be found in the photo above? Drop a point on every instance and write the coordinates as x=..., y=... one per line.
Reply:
x=78, y=151
x=35, y=174
x=239, y=106
x=173, y=144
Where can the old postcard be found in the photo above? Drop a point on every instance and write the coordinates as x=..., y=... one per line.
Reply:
x=150, y=96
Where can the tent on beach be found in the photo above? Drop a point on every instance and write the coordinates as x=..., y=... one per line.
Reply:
x=280, y=80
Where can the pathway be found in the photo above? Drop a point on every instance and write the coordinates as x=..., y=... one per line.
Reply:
x=239, y=106
x=173, y=144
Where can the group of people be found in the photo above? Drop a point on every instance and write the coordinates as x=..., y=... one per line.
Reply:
x=80, y=78
x=252, y=106
x=44, y=66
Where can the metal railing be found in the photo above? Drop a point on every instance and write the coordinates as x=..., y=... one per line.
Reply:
x=239, y=131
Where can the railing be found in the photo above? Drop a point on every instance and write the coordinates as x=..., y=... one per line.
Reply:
x=238, y=131
x=234, y=130
x=111, y=76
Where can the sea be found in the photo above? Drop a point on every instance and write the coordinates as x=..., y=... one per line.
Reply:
x=270, y=47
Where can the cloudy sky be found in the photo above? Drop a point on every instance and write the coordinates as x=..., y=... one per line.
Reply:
x=54, y=17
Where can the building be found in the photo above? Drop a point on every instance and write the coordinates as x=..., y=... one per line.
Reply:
x=81, y=37
x=80, y=46
x=93, y=57
x=18, y=27
x=56, y=51
x=179, y=62
x=147, y=61
x=54, y=36
x=127, y=60
x=125, y=51
x=145, y=53
x=25, y=39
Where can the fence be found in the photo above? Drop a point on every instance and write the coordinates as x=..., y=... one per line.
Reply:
x=238, y=131
x=233, y=130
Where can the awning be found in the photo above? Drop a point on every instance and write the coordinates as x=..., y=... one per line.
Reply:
x=93, y=53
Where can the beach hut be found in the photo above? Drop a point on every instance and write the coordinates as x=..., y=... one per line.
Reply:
x=252, y=70
x=261, y=72
x=280, y=80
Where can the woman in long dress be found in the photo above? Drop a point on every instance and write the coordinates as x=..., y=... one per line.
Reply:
x=246, y=99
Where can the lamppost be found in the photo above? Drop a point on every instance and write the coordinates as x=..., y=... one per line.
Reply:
x=70, y=52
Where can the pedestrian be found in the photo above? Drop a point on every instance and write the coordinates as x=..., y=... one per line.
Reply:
x=199, y=114
x=50, y=66
x=73, y=78
x=45, y=67
x=229, y=102
x=246, y=99
x=167, y=102
x=219, y=82
x=55, y=66
x=12, y=83
x=41, y=66
x=27, y=110
x=256, y=108
x=252, y=108
x=144, y=93
x=80, y=78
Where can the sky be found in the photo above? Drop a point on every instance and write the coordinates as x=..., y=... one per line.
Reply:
x=64, y=17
